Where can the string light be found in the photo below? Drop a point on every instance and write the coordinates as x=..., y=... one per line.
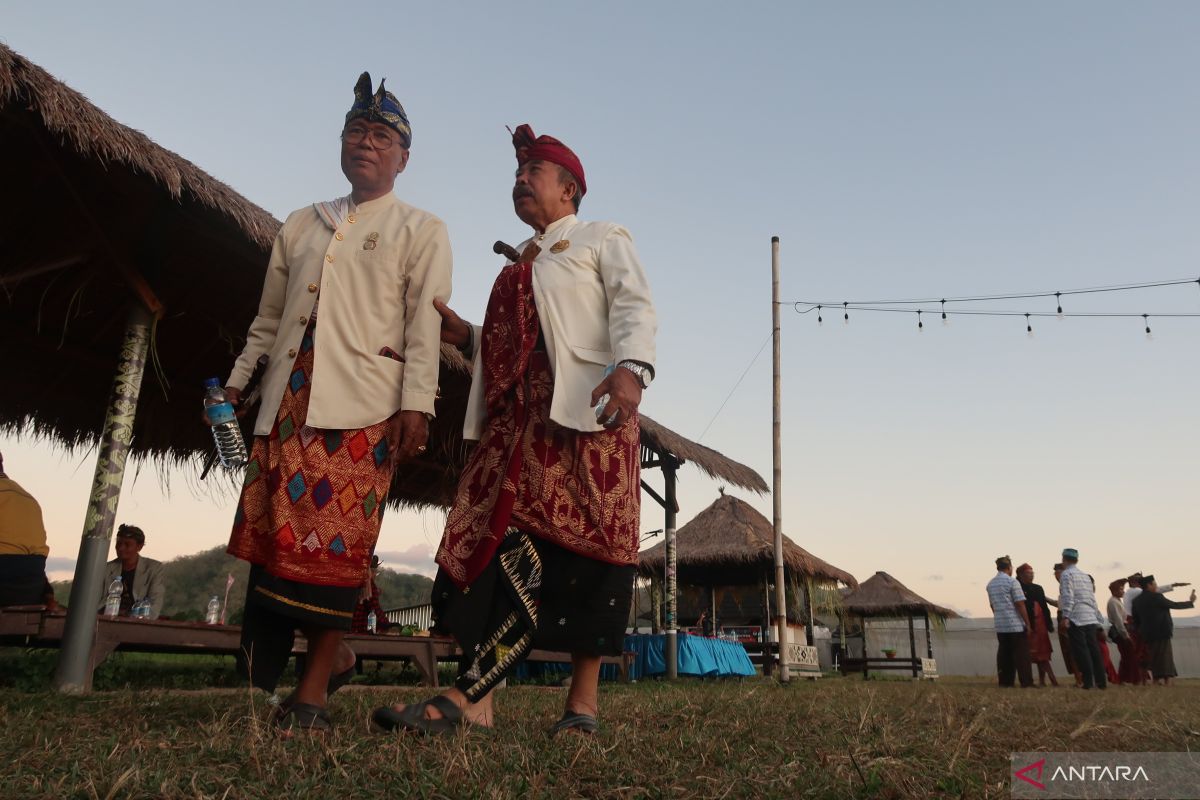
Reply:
x=1058, y=297
x=819, y=320
x=845, y=312
x=920, y=325
x=943, y=308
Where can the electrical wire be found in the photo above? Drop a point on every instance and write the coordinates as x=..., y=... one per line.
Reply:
x=735, y=386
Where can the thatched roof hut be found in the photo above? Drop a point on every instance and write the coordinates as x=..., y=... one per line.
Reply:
x=881, y=595
x=105, y=218
x=732, y=544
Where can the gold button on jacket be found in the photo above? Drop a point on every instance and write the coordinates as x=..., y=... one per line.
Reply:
x=292, y=353
x=312, y=287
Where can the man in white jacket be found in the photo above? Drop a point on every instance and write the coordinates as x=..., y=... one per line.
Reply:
x=347, y=321
x=540, y=544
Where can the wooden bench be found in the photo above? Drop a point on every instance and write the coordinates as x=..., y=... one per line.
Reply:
x=32, y=626
x=865, y=665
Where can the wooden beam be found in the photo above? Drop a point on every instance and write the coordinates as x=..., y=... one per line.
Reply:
x=42, y=269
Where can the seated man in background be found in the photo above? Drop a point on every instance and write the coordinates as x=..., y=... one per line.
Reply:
x=142, y=576
x=23, y=547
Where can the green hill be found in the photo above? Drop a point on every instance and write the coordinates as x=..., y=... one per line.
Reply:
x=192, y=580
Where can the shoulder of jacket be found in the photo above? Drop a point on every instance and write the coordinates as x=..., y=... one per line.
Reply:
x=418, y=216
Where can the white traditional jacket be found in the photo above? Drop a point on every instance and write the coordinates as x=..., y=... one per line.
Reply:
x=595, y=309
x=377, y=268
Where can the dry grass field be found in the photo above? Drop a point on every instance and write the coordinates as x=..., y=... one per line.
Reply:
x=833, y=738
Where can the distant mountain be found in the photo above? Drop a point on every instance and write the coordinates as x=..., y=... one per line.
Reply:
x=192, y=580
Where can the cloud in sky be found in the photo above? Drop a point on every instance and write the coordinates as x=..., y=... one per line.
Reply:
x=935, y=577
x=416, y=559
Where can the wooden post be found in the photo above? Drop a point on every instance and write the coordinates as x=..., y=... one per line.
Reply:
x=671, y=647
x=712, y=604
x=74, y=661
x=777, y=483
x=928, y=641
x=912, y=646
x=809, y=638
x=655, y=606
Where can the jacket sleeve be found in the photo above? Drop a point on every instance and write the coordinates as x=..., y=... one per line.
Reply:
x=1066, y=598
x=632, y=322
x=156, y=587
x=261, y=336
x=427, y=277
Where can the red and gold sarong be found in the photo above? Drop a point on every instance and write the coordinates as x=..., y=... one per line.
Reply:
x=311, y=503
x=578, y=490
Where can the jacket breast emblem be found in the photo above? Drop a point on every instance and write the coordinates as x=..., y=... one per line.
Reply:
x=560, y=245
x=372, y=240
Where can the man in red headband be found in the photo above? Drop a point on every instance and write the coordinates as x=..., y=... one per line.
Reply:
x=541, y=542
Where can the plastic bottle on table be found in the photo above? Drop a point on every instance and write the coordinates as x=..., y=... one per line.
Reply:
x=112, y=603
x=214, y=611
x=139, y=610
x=231, y=448
x=372, y=621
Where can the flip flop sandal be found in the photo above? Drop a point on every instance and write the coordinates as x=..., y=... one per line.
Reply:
x=413, y=719
x=584, y=723
x=303, y=717
x=335, y=682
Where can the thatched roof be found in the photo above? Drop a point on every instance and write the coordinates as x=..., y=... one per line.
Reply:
x=101, y=217
x=881, y=595
x=732, y=544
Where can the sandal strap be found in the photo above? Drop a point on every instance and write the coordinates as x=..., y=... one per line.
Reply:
x=450, y=710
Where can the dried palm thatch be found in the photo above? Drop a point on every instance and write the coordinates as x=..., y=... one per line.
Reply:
x=102, y=217
x=881, y=595
x=731, y=544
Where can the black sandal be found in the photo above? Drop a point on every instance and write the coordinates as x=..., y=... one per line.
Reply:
x=572, y=720
x=413, y=719
x=303, y=717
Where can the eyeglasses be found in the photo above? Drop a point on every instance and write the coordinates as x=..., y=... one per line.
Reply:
x=380, y=139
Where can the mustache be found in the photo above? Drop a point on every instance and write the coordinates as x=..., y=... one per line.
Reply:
x=521, y=191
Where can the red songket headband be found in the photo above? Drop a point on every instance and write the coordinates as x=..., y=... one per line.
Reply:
x=547, y=148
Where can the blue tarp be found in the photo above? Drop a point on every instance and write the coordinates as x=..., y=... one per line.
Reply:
x=698, y=655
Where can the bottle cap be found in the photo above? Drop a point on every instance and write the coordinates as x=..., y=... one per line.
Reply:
x=210, y=383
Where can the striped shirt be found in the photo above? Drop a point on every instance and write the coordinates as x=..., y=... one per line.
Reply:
x=1004, y=592
x=1077, y=598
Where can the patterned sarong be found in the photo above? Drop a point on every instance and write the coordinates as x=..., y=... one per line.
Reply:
x=311, y=503
x=577, y=490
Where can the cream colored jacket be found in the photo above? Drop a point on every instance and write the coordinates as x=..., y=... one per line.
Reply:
x=595, y=309
x=377, y=271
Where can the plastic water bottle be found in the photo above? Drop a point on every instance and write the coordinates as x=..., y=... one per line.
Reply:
x=140, y=610
x=372, y=621
x=231, y=449
x=214, y=611
x=112, y=603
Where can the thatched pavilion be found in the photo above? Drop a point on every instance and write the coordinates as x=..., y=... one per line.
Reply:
x=730, y=544
x=880, y=597
x=123, y=255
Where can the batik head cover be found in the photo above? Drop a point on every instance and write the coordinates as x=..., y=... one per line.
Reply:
x=547, y=148
x=379, y=106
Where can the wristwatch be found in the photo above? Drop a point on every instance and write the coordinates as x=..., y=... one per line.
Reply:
x=643, y=373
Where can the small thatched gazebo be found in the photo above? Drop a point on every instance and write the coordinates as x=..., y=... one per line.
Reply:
x=882, y=596
x=731, y=544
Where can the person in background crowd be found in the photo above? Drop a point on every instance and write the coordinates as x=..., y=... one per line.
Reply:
x=1141, y=652
x=23, y=547
x=1152, y=615
x=142, y=576
x=1110, y=671
x=1130, y=669
x=1041, y=625
x=1081, y=617
x=1136, y=585
x=1064, y=640
x=1011, y=619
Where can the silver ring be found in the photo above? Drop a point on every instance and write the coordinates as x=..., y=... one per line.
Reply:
x=421, y=449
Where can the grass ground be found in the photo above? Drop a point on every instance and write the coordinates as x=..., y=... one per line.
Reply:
x=833, y=738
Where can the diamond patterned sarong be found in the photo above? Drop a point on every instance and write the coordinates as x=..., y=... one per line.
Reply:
x=310, y=508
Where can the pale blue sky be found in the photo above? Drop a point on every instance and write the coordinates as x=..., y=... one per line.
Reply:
x=898, y=149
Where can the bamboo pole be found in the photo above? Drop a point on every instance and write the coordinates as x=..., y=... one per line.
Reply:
x=671, y=647
x=777, y=485
x=74, y=661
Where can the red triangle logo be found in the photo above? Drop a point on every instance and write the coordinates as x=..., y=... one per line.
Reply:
x=1023, y=773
